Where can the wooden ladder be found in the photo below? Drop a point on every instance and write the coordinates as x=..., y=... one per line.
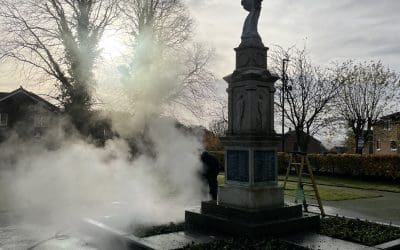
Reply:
x=299, y=170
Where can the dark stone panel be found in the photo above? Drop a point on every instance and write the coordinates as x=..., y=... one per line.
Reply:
x=198, y=222
x=264, y=166
x=238, y=165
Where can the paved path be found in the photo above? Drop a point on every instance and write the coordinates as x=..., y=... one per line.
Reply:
x=385, y=209
x=14, y=236
x=17, y=236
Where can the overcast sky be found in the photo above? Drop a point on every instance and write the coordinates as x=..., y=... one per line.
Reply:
x=331, y=29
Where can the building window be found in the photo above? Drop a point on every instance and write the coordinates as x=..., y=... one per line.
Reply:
x=393, y=145
x=3, y=120
x=378, y=145
x=388, y=125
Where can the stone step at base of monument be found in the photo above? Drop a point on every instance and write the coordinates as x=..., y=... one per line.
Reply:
x=195, y=221
x=237, y=214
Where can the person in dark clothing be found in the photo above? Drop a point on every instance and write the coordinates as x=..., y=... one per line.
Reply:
x=210, y=172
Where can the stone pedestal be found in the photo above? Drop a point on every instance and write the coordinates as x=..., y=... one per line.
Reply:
x=250, y=145
x=251, y=198
x=251, y=173
x=225, y=220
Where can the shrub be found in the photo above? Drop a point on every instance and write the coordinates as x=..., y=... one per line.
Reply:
x=385, y=167
x=358, y=231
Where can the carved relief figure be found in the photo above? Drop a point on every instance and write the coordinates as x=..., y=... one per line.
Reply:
x=240, y=108
x=250, y=36
x=261, y=112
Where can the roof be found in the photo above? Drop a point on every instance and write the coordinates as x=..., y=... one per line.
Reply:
x=393, y=117
x=293, y=133
x=4, y=96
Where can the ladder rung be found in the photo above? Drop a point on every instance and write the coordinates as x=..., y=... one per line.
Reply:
x=310, y=196
x=309, y=190
x=313, y=205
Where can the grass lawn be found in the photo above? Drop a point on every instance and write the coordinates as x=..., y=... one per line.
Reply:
x=327, y=193
x=347, y=182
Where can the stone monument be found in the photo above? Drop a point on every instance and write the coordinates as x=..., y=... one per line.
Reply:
x=250, y=201
x=251, y=141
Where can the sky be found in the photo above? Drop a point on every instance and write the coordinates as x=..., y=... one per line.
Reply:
x=332, y=30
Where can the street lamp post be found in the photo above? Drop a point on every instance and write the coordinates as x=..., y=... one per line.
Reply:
x=284, y=83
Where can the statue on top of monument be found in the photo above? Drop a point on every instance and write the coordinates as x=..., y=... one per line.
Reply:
x=250, y=36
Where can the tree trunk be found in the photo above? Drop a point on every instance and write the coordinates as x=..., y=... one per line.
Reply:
x=302, y=141
x=357, y=138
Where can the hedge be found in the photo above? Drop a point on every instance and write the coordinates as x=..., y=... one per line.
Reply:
x=385, y=166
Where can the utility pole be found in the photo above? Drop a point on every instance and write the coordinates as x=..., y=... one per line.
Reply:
x=284, y=83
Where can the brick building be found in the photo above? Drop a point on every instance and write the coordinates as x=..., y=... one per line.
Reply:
x=387, y=135
x=314, y=146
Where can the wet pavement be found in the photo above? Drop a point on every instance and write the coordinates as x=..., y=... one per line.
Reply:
x=17, y=236
x=384, y=209
x=317, y=241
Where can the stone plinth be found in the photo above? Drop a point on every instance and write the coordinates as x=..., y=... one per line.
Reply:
x=251, y=198
x=251, y=173
x=226, y=220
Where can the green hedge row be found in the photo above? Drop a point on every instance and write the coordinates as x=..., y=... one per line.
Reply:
x=386, y=166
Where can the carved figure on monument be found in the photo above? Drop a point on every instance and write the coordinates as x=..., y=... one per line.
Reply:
x=240, y=107
x=262, y=111
x=250, y=36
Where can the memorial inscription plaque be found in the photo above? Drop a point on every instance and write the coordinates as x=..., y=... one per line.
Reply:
x=264, y=166
x=238, y=165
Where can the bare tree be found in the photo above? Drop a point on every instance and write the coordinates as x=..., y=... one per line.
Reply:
x=308, y=96
x=368, y=89
x=168, y=21
x=58, y=38
x=160, y=33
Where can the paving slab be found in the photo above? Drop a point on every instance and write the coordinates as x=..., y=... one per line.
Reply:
x=322, y=242
x=177, y=240
x=391, y=245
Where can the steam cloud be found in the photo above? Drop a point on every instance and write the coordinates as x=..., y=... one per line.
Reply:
x=78, y=179
x=59, y=179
